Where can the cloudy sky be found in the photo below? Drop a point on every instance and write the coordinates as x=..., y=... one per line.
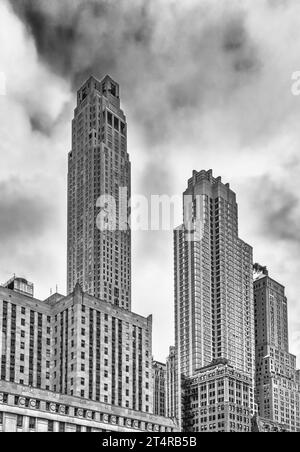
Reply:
x=205, y=84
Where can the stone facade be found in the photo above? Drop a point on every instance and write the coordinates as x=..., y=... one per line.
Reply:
x=79, y=346
x=24, y=409
x=217, y=399
x=159, y=388
x=261, y=425
x=277, y=380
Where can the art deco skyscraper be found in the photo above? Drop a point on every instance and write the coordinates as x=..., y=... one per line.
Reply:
x=100, y=260
x=277, y=382
x=213, y=283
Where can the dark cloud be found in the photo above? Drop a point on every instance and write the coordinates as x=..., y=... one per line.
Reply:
x=235, y=36
x=123, y=38
x=77, y=37
x=24, y=215
x=41, y=124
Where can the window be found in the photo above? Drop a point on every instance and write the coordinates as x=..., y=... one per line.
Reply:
x=32, y=423
x=61, y=427
x=1, y=418
x=50, y=426
x=78, y=428
x=19, y=421
x=116, y=123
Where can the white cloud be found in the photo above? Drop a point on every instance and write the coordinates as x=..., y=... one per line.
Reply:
x=33, y=164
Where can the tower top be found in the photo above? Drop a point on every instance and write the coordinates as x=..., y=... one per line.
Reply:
x=107, y=87
x=260, y=271
x=20, y=285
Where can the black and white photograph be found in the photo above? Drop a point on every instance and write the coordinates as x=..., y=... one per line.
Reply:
x=149, y=219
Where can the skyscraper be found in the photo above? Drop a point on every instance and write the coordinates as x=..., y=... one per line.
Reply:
x=213, y=284
x=99, y=260
x=171, y=384
x=277, y=380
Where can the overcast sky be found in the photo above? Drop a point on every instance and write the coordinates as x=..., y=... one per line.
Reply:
x=204, y=84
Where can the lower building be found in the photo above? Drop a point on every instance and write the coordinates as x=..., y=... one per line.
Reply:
x=171, y=384
x=277, y=379
x=78, y=346
x=261, y=425
x=159, y=388
x=25, y=409
x=217, y=399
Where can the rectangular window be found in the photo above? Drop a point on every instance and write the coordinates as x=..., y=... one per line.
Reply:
x=50, y=426
x=19, y=421
x=32, y=423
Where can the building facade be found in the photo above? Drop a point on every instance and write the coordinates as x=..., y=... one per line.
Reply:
x=171, y=384
x=261, y=425
x=214, y=309
x=78, y=346
x=277, y=381
x=217, y=399
x=25, y=409
x=159, y=388
x=99, y=252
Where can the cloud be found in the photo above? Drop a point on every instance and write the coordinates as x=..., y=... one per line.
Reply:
x=34, y=143
x=22, y=215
